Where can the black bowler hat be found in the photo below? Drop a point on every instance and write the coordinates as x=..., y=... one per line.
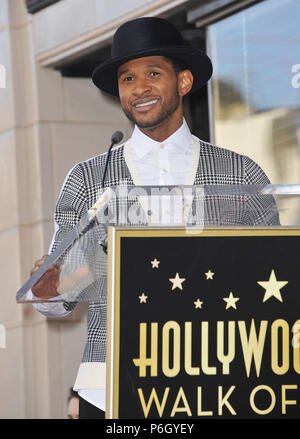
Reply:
x=149, y=36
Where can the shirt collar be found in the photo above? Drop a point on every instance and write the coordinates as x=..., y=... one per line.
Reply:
x=142, y=144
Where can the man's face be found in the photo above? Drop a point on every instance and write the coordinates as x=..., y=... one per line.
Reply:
x=148, y=89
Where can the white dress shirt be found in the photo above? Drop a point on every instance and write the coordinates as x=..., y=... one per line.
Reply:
x=171, y=162
x=165, y=164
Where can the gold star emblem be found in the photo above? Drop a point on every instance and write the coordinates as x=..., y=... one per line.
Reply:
x=198, y=303
x=177, y=282
x=209, y=275
x=272, y=287
x=143, y=298
x=155, y=263
x=231, y=301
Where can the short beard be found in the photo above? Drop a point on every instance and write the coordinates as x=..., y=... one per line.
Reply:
x=165, y=113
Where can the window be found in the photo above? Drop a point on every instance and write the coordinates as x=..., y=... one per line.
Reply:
x=255, y=90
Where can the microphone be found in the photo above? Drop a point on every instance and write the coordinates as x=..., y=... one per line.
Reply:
x=115, y=138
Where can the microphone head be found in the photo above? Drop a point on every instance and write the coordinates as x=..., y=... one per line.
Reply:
x=117, y=137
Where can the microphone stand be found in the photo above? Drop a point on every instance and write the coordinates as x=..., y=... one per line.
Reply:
x=115, y=138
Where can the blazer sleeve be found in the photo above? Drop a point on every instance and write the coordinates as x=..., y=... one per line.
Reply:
x=261, y=209
x=71, y=205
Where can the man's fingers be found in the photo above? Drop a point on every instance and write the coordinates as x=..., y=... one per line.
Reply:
x=59, y=263
x=41, y=261
x=37, y=264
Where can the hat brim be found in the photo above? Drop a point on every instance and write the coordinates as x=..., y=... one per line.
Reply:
x=105, y=76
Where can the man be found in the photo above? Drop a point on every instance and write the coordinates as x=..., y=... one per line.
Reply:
x=151, y=70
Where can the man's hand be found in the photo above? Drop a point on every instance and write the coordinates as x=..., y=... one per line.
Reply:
x=46, y=286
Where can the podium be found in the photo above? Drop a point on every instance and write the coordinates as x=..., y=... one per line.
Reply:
x=203, y=316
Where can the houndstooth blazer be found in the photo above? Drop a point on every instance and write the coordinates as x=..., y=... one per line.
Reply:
x=216, y=166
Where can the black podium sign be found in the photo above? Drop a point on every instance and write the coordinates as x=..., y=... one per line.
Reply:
x=204, y=325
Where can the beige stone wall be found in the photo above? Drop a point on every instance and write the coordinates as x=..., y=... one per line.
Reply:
x=48, y=123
